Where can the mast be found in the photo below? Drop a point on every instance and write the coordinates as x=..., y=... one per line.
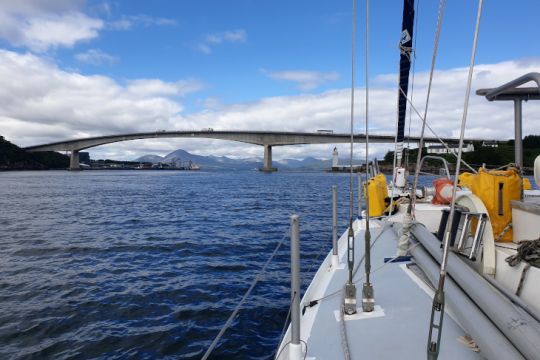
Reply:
x=405, y=47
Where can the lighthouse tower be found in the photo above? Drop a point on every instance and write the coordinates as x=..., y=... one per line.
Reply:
x=335, y=161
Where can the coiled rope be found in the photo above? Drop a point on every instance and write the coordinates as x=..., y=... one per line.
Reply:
x=528, y=251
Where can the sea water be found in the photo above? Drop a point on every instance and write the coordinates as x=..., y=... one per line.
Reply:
x=150, y=264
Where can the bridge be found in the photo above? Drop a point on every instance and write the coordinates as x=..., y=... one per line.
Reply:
x=267, y=139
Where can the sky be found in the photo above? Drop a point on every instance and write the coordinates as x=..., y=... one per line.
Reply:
x=75, y=68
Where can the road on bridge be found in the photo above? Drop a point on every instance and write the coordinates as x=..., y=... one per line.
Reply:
x=267, y=139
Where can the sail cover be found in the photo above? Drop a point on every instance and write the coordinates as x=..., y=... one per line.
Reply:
x=405, y=46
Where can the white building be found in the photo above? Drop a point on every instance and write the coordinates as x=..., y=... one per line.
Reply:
x=490, y=143
x=440, y=149
x=335, y=160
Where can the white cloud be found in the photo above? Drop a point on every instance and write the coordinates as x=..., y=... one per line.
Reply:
x=156, y=87
x=128, y=22
x=41, y=25
x=96, y=57
x=230, y=36
x=305, y=80
x=238, y=35
x=40, y=102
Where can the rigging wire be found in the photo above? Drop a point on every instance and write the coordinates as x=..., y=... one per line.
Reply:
x=348, y=304
x=350, y=301
x=412, y=85
x=442, y=5
x=438, y=299
x=367, y=234
x=439, y=138
x=352, y=115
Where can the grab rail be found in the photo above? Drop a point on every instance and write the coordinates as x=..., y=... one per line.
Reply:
x=445, y=163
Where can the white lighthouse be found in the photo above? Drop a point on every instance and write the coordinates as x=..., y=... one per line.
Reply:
x=335, y=161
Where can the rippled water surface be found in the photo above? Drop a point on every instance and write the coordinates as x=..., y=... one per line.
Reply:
x=149, y=264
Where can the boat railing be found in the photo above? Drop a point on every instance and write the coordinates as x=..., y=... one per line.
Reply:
x=432, y=157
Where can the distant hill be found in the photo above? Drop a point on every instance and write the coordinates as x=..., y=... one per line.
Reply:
x=307, y=163
x=13, y=157
x=149, y=158
x=226, y=163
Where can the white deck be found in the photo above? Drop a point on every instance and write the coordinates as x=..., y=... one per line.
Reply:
x=399, y=326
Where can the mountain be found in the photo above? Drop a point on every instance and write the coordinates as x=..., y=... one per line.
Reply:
x=225, y=163
x=205, y=162
x=149, y=158
x=212, y=162
x=307, y=163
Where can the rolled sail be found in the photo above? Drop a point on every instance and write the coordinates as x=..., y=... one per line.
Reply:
x=405, y=46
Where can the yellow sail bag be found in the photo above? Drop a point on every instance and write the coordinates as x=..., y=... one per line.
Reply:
x=378, y=193
x=496, y=188
x=526, y=184
x=466, y=179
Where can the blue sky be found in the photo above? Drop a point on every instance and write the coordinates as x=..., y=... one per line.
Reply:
x=196, y=64
x=284, y=35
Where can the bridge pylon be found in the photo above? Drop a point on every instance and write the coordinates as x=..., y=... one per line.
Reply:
x=267, y=162
x=74, y=164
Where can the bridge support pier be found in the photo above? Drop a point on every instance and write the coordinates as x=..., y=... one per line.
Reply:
x=267, y=162
x=74, y=164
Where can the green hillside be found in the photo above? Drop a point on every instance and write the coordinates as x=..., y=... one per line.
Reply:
x=492, y=157
x=13, y=157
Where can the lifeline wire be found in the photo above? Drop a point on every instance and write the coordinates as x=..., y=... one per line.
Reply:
x=285, y=327
x=237, y=309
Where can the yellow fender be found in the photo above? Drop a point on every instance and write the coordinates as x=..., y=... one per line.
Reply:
x=378, y=193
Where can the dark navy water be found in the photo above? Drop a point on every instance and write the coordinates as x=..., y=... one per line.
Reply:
x=150, y=264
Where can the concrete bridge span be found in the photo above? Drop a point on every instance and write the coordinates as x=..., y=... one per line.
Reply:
x=268, y=139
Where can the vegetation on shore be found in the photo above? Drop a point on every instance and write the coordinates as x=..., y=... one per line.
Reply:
x=13, y=157
x=491, y=156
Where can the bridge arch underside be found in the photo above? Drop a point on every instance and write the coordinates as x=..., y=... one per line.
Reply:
x=265, y=139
